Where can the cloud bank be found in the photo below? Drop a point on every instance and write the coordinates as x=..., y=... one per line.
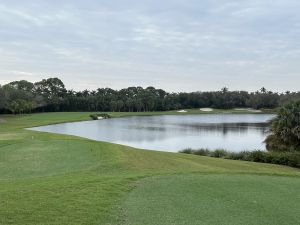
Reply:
x=178, y=45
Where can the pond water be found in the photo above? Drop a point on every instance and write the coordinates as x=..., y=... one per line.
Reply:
x=233, y=132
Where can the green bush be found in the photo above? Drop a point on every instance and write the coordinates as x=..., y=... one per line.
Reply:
x=104, y=115
x=258, y=156
x=203, y=152
x=245, y=156
x=187, y=151
x=219, y=153
x=282, y=158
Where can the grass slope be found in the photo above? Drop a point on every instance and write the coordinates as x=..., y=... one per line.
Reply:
x=58, y=179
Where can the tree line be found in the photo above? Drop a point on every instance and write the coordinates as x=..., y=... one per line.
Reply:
x=50, y=95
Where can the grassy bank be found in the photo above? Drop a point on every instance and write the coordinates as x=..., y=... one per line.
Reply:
x=58, y=179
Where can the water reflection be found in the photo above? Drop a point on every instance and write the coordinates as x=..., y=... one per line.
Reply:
x=228, y=127
x=172, y=133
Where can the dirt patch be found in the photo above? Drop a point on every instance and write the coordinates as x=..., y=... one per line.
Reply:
x=2, y=120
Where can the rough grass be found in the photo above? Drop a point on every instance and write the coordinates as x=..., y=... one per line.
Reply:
x=58, y=179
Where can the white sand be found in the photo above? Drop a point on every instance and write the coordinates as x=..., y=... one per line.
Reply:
x=242, y=109
x=247, y=109
x=182, y=111
x=206, y=109
x=253, y=110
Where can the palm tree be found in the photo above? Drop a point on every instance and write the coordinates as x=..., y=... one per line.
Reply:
x=224, y=90
x=285, y=129
x=263, y=90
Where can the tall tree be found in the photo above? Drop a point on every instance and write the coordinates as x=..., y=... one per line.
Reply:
x=285, y=129
x=3, y=98
x=22, y=85
x=50, y=88
x=263, y=90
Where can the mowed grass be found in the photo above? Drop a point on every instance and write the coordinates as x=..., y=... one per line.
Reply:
x=214, y=199
x=58, y=179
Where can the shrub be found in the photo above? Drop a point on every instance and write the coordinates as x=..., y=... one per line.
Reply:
x=187, y=151
x=202, y=151
x=245, y=156
x=219, y=153
x=258, y=156
x=96, y=116
x=282, y=158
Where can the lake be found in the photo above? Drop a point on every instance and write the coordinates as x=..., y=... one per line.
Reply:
x=233, y=132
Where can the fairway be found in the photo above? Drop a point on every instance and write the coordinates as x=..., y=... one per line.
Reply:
x=58, y=179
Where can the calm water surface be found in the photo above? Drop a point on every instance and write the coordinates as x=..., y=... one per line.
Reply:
x=234, y=132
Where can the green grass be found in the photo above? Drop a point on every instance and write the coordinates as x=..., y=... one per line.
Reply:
x=214, y=199
x=58, y=179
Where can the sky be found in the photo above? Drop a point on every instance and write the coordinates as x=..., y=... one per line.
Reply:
x=177, y=45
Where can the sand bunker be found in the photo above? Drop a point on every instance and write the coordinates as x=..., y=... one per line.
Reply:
x=247, y=109
x=242, y=109
x=182, y=111
x=206, y=109
x=254, y=110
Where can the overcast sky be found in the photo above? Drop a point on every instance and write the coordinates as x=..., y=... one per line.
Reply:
x=177, y=45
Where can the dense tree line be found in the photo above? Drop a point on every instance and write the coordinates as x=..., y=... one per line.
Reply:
x=51, y=95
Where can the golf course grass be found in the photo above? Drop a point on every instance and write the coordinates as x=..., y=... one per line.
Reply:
x=59, y=179
x=214, y=199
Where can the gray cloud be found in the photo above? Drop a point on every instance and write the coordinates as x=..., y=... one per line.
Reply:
x=177, y=45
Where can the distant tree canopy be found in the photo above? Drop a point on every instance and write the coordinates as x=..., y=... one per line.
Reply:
x=285, y=129
x=50, y=95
